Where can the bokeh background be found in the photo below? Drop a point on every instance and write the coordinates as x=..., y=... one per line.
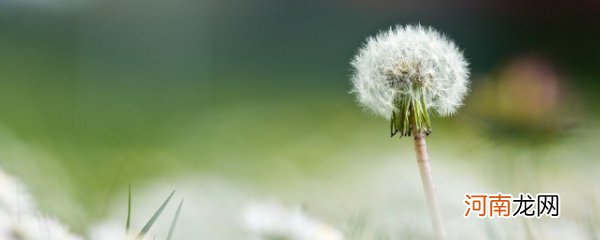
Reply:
x=96, y=95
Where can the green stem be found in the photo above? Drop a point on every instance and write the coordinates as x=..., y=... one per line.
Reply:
x=408, y=107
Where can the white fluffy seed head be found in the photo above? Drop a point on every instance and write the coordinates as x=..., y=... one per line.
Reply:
x=393, y=62
x=21, y=220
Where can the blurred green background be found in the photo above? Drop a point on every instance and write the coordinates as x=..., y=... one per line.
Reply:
x=98, y=94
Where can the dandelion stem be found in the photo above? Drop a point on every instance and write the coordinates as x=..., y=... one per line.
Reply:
x=427, y=179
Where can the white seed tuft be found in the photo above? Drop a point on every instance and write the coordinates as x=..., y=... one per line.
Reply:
x=392, y=63
x=21, y=220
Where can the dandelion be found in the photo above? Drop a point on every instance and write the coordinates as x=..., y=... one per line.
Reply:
x=404, y=74
x=410, y=70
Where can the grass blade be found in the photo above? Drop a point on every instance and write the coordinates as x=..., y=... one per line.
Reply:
x=172, y=228
x=128, y=223
x=154, y=217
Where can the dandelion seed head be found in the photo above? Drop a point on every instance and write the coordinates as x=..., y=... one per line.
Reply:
x=408, y=61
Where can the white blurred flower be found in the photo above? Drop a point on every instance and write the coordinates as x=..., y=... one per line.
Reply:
x=14, y=198
x=30, y=227
x=410, y=65
x=212, y=210
x=273, y=221
x=110, y=230
x=19, y=218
